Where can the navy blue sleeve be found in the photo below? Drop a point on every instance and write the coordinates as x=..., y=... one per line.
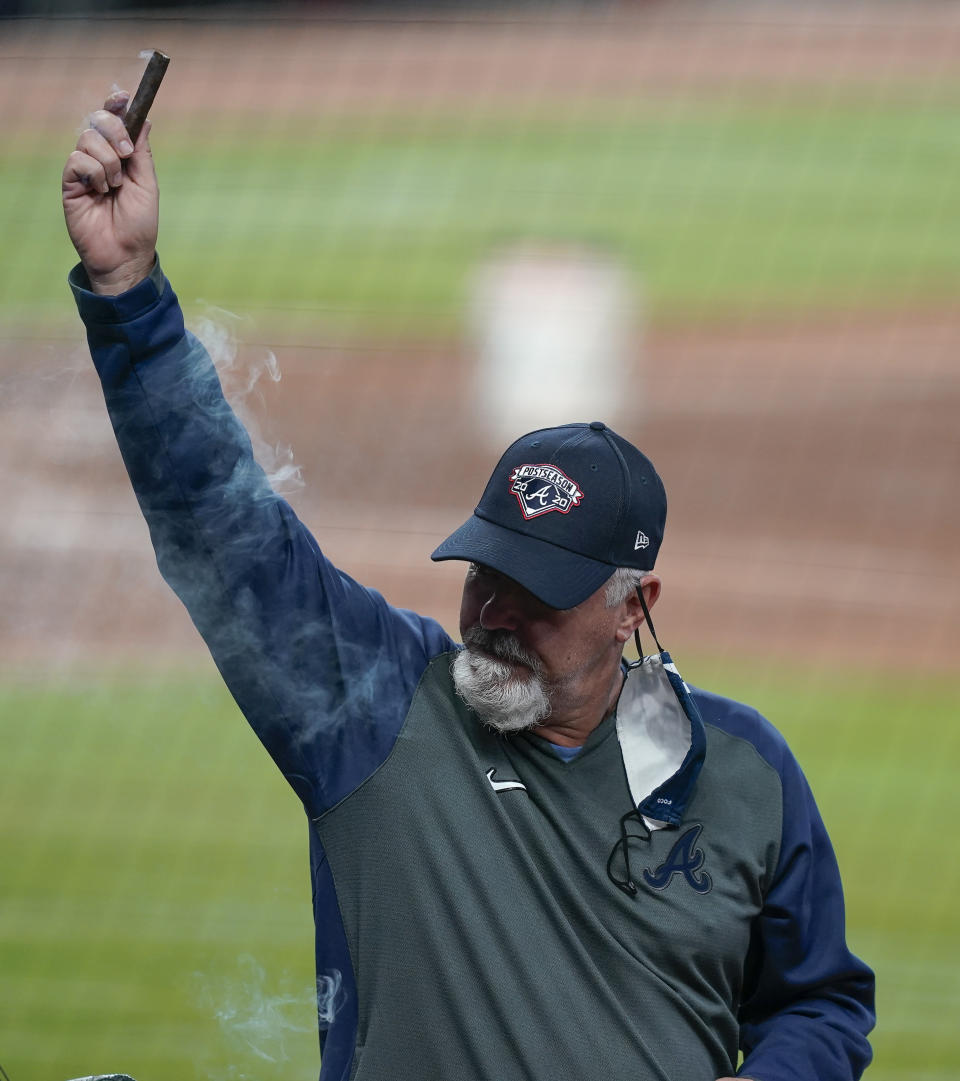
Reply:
x=808, y=1002
x=323, y=668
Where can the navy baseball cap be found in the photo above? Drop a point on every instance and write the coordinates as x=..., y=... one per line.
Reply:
x=563, y=509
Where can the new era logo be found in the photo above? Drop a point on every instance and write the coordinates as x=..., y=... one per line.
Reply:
x=642, y=541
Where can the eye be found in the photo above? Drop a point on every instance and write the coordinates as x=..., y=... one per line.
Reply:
x=480, y=572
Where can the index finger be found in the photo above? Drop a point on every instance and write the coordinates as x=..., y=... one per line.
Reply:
x=112, y=128
x=117, y=102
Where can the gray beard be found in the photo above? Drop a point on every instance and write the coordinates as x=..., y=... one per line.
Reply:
x=506, y=698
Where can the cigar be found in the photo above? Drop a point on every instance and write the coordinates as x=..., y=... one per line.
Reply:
x=107, y=1077
x=138, y=108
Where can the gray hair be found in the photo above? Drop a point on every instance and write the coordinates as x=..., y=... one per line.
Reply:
x=623, y=582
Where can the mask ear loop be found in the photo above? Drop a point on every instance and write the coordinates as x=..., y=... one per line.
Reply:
x=636, y=632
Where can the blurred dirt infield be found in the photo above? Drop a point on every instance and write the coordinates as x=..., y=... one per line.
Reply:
x=811, y=468
x=306, y=60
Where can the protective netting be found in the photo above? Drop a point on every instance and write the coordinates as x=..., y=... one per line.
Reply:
x=772, y=187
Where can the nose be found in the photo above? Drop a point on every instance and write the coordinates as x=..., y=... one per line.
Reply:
x=500, y=611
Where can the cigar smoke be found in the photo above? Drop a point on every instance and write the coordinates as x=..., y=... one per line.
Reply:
x=240, y=375
x=259, y=1022
x=262, y=670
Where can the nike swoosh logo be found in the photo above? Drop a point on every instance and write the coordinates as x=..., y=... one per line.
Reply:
x=504, y=786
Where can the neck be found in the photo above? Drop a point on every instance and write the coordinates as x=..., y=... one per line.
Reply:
x=571, y=722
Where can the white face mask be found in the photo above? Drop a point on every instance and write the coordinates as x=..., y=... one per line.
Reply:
x=506, y=690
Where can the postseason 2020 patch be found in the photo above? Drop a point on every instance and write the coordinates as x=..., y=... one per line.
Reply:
x=542, y=488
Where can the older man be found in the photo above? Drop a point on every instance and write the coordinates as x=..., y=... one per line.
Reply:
x=531, y=860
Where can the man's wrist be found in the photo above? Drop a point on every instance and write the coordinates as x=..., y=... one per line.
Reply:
x=110, y=309
x=122, y=279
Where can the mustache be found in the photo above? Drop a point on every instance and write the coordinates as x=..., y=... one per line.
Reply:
x=504, y=645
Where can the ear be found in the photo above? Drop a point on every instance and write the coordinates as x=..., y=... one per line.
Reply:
x=632, y=610
x=652, y=586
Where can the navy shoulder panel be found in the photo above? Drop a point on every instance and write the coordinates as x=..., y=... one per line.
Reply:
x=807, y=1003
x=745, y=723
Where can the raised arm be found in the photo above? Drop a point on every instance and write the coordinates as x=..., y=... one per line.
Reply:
x=322, y=668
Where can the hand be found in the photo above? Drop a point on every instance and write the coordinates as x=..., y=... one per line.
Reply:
x=111, y=201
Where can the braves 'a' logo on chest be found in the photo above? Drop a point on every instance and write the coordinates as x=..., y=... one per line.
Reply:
x=683, y=859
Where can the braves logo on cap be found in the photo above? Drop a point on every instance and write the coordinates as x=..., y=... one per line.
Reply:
x=542, y=488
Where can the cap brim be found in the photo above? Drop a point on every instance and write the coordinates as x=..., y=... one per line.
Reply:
x=555, y=576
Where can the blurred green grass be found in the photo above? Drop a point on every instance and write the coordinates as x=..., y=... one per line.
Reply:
x=372, y=225
x=155, y=908
x=154, y=863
